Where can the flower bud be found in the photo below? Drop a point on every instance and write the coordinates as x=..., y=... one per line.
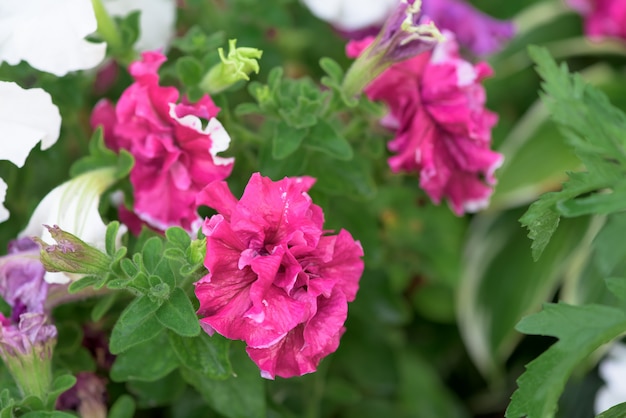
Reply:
x=404, y=35
x=236, y=66
x=71, y=255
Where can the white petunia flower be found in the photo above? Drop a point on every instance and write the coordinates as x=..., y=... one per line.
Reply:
x=73, y=206
x=49, y=35
x=612, y=370
x=26, y=117
x=351, y=15
x=156, y=22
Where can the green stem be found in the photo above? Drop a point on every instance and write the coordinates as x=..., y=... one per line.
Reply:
x=107, y=28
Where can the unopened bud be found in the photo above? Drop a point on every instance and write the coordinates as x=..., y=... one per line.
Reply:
x=71, y=255
x=236, y=66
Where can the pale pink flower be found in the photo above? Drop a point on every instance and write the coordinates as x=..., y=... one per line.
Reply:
x=603, y=18
x=443, y=131
x=276, y=281
x=175, y=156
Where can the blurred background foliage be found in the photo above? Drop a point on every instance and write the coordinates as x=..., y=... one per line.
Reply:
x=431, y=333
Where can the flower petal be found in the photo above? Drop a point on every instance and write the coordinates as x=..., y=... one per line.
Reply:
x=49, y=35
x=26, y=117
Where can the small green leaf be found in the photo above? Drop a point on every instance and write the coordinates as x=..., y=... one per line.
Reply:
x=197, y=41
x=286, y=140
x=151, y=253
x=148, y=361
x=331, y=68
x=617, y=411
x=178, y=238
x=580, y=330
x=325, y=138
x=128, y=267
x=102, y=306
x=136, y=324
x=111, y=237
x=204, y=354
x=617, y=286
x=177, y=314
x=124, y=407
x=241, y=395
x=189, y=70
x=59, y=385
x=81, y=284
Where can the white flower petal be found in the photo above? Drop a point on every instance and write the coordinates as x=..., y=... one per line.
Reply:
x=157, y=20
x=26, y=117
x=73, y=206
x=49, y=35
x=352, y=14
x=4, y=213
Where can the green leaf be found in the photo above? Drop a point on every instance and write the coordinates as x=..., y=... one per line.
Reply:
x=59, y=385
x=594, y=128
x=129, y=29
x=151, y=253
x=207, y=355
x=124, y=407
x=111, y=237
x=100, y=156
x=580, y=330
x=148, y=361
x=609, y=250
x=617, y=411
x=286, y=140
x=501, y=283
x=162, y=392
x=189, y=70
x=177, y=314
x=617, y=286
x=240, y=396
x=177, y=238
x=136, y=324
x=102, y=306
x=82, y=283
x=352, y=178
x=324, y=138
x=46, y=414
x=197, y=41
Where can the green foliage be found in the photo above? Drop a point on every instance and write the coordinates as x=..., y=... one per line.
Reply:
x=580, y=330
x=100, y=157
x=595, y=129
x=618, y=411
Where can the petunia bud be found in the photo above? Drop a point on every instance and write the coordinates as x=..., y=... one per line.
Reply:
x=71, y=254
x=404, y=35
x=26, y=350
x=239, y=63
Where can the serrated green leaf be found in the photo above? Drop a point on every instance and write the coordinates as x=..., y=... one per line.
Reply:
x=148, y=361
x=325, y=138
x=595, y=129
x=207, y=355
x=580, y=330
x=136, y=324
x=286, y=140
x=177, y=314
x=124, y=407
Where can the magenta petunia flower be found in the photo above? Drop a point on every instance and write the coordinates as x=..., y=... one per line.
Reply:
x=443, y=131
x=276, y=280
x=473, y=29
x=603, y=18
x=175, y=156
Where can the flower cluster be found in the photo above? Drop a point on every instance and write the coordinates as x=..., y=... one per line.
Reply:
x=442, y=129
x=175, y=155
x=276, y=281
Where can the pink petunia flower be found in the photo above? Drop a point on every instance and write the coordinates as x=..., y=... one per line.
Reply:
x=603, y=18
x=175, y=156
x=276, y=281
x=443, y=131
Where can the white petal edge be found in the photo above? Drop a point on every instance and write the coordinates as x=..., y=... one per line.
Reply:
x=49, y=35
x=4, y=213
x=27, y=116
